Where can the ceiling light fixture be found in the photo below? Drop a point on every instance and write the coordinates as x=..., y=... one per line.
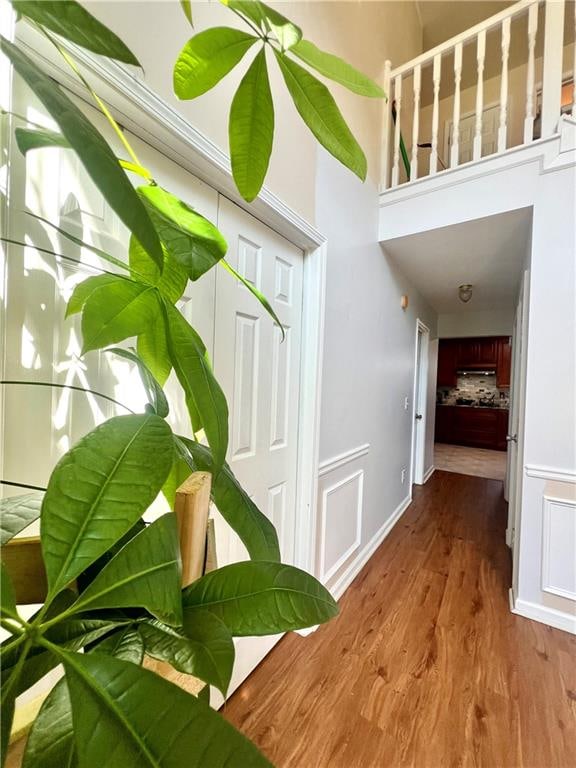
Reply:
x=465, y=292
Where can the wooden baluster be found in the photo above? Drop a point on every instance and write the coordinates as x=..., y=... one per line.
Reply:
x=552, y=74
x=480, y=57
x=532, y=30
x=386, y=121
x=503, y=127
x=455, y=149
x=415, y=124
x=435, y=112
x=398, y=105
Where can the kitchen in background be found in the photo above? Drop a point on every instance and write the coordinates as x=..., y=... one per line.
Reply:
x=472, y=403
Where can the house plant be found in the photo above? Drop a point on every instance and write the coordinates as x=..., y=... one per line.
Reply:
x=113, y=583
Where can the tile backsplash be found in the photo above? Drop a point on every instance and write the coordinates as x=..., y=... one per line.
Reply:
x=474, y=386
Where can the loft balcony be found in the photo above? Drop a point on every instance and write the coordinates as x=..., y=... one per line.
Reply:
x=494, y=96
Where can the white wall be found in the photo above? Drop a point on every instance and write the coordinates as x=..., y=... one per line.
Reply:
x=368, y=370
x=544, y=179
x=494, y=322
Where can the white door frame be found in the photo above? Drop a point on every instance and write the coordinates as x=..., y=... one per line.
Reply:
x=419, y=399
x=139, y=109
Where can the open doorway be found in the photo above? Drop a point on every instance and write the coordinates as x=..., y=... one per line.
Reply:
x=420, y=396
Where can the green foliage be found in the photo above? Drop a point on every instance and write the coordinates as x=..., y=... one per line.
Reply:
x=251, y=129
x=28, y=139
x=155, y=393
x=70, y=20
x=99, y=489
x=7, y=597
x=171, y=282
x=16, y=513
x=187, y=9
x=257, y=598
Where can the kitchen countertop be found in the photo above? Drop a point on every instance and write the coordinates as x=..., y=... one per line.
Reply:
x=479, y=407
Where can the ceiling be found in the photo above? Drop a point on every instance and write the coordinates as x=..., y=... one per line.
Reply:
x=488, y=252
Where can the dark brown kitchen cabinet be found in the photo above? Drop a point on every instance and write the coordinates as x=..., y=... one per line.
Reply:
x=476, y=427
x=447, y=363
x=477, y=353
x=504, y=362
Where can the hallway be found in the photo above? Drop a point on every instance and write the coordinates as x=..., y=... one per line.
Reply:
x=425, y=666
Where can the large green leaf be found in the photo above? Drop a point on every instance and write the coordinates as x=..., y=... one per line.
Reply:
x=178, y=474
x=155, y=393
x=189, y=238
x=256, y=598
x=203, y=393
x=187, y=9
x=27, y=139
x=320, y=112
x=152, y=346
x=255, y=292
x=336, y=69
x=251, y=129
x=171, y=282
x=254, y=529
x=202, y=647
x=85, y=289
x=16, y=514
x=7, y=596
x=145, y=573
x=127, y=716
x=99, y=489
x=117, y=310
x=207, y=58
x=51, y=740
x=93, y=151
x=70, y=20
x=6, y=725
x=249, y=9
x=286, y=32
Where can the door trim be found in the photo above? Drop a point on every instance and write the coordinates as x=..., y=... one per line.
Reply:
x=417, y=468
x=155, y=121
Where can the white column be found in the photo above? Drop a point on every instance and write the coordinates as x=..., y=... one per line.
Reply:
x=454, y=150
x=436, y=70
x=386, y=120
x=480, y=56
x=532, y=30
x=415, y=123
x=503, y=127
x=398, y=102
x=552, y=75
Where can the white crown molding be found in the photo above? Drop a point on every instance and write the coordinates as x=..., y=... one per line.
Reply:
x=329, y=465
x=551, y=473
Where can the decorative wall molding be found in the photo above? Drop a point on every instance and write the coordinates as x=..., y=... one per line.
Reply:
x=551, y=473
x=326, y=573
x=347, y=577
x=558, y=535
x=543, y=614
x=329, y=465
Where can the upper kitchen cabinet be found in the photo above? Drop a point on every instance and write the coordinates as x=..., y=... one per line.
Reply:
x=447, y=362
x=504, y=362
x=478, y=353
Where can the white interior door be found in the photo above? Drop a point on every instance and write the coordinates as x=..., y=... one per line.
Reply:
x=420, y=394
x=490, y=122
x=260, y=375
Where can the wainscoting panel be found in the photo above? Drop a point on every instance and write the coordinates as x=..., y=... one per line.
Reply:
x=558, y=542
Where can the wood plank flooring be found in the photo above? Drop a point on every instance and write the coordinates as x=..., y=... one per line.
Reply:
x=480, y=462
x=425, y=666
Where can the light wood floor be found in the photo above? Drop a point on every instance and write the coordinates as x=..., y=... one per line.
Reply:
x=480, y=462
x=425, y=665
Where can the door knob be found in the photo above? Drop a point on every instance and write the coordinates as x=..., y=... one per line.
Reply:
x=418, y=416
x=511, y=438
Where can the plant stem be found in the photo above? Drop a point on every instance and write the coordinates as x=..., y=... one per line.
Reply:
x=8, y=686
x=66, y=258
x=67, y=386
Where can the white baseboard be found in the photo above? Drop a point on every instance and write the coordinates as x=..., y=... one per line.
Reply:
x=543, y=614
x=346, y=578
x=428, y=474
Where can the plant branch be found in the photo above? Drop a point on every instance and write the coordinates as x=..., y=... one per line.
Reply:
x=67, y=386
x=22, y=485
x=62, y=256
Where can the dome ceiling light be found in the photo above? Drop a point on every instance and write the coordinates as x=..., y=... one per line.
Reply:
x=465, y=292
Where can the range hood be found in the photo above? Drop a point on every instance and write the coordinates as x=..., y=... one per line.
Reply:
x=476, y=371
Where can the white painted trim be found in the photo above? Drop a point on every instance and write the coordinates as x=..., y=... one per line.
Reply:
x=546, y=586
x=326, y=575
x=543, y=614
x=346, y=578
x=329, y=465
x=428, y=474
x=155, y=121
x=551, y=473
x=420, y=372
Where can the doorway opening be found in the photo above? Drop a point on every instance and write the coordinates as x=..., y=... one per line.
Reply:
x=420, y=394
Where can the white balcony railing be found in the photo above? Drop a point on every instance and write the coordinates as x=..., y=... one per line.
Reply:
x=523, y=57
